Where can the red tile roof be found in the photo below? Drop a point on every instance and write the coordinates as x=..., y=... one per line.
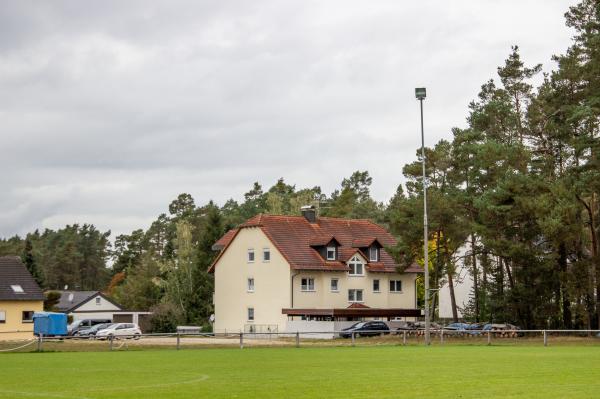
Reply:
x=294, y=235
x=356, y=305
x=225, y=240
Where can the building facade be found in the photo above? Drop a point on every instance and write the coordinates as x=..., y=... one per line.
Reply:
x=20, y=297
x=274, y=270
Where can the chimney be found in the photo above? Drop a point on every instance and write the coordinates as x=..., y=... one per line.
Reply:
x=310, y=213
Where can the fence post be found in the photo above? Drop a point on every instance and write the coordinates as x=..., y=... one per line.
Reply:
x=111, y=341
x=178, y=340
x=40, y=340
x=545, y=338
x=297, y=339
x=404, y=338
x=241, y=340
x=352, y=338
x=489, y=337
x=442, y=337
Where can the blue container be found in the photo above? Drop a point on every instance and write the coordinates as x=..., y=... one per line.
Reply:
x=49, y=323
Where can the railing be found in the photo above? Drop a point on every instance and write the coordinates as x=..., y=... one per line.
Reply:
x=297, y=339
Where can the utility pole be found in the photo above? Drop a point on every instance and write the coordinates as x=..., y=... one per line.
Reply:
x=421, y=93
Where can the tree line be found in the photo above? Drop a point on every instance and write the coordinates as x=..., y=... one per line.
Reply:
x=513, y=197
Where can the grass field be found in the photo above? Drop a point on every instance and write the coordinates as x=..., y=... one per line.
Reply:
x=336, y=372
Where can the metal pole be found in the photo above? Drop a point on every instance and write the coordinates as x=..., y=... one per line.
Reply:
x=404, y=338
x=111, y=341
x=241, y=340
x=178, y=340
x=545, y=338
x=40, y=340
x=425, y=233
x=442, y=337
x=489, y=338
x=297, y=339
x=352, y=338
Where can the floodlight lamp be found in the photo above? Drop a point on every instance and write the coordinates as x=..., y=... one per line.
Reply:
x=420, y=93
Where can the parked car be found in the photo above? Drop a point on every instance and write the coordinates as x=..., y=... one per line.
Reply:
x=455, y=328
x=91, y=332
x=126, y=330
x=366, y=329
x=84, y=324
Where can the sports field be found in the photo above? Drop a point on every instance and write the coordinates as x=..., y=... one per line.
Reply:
x=336, y=372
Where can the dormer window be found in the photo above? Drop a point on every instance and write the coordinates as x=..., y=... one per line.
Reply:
x=373, y=254
x=331, y=253
x=356, y=267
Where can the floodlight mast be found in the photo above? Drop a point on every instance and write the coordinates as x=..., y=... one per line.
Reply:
x=421, y=93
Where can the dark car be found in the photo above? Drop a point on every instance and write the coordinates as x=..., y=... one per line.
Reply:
x=366, y=329
x=91, y=332
x=85, y=324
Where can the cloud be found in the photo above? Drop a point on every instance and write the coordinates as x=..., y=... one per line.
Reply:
x=108, y=110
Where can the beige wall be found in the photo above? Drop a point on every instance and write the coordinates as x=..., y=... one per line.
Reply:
x=324, y=298
x=271, y=284
x=13, y=327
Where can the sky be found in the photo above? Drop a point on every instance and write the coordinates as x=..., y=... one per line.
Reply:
x=109, y=110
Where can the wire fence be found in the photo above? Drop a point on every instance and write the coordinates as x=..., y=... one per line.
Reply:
x=178, y=341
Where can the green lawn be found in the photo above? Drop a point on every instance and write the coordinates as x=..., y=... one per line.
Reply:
x=337, y=372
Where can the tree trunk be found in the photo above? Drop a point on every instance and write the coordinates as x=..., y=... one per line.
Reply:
x=452, y=297
x=567, y=320
x=475, y=277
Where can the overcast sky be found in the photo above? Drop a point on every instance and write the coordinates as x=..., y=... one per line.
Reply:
x=110, y=109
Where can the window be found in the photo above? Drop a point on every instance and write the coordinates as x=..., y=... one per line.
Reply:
x=27, y=316
x=250, y=284
x=98, y=300
x=251, y=255
x=373, y=254
x=355, y=295
x=334, y=285
x=266, y=254
x=331, y=253
x=2, y=316
x=250, y=314
x=307, y=284
x=376, y=286
x=17, y=289
x=395, y=285
x=356, y=267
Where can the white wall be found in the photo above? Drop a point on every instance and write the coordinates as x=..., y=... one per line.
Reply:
x=463, y=286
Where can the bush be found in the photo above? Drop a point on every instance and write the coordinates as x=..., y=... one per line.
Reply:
x=166, y=317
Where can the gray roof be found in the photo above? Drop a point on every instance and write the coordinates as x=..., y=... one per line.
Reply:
x=71, y=299
x=14, y=273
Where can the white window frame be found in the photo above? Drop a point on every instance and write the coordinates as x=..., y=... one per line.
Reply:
x=250, y=251
x=373, y=251
x=395, y=284
x=250, y=284
x=266, y=251
x=333, y=250
x=378, y=290
x=353, y=263
x=17, y=289
x=337, y=285
x=250, y=312
x=2, y=316
x=353, y=295
x=306, y=287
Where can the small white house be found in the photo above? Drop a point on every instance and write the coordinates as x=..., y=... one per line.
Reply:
x=87, y=305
